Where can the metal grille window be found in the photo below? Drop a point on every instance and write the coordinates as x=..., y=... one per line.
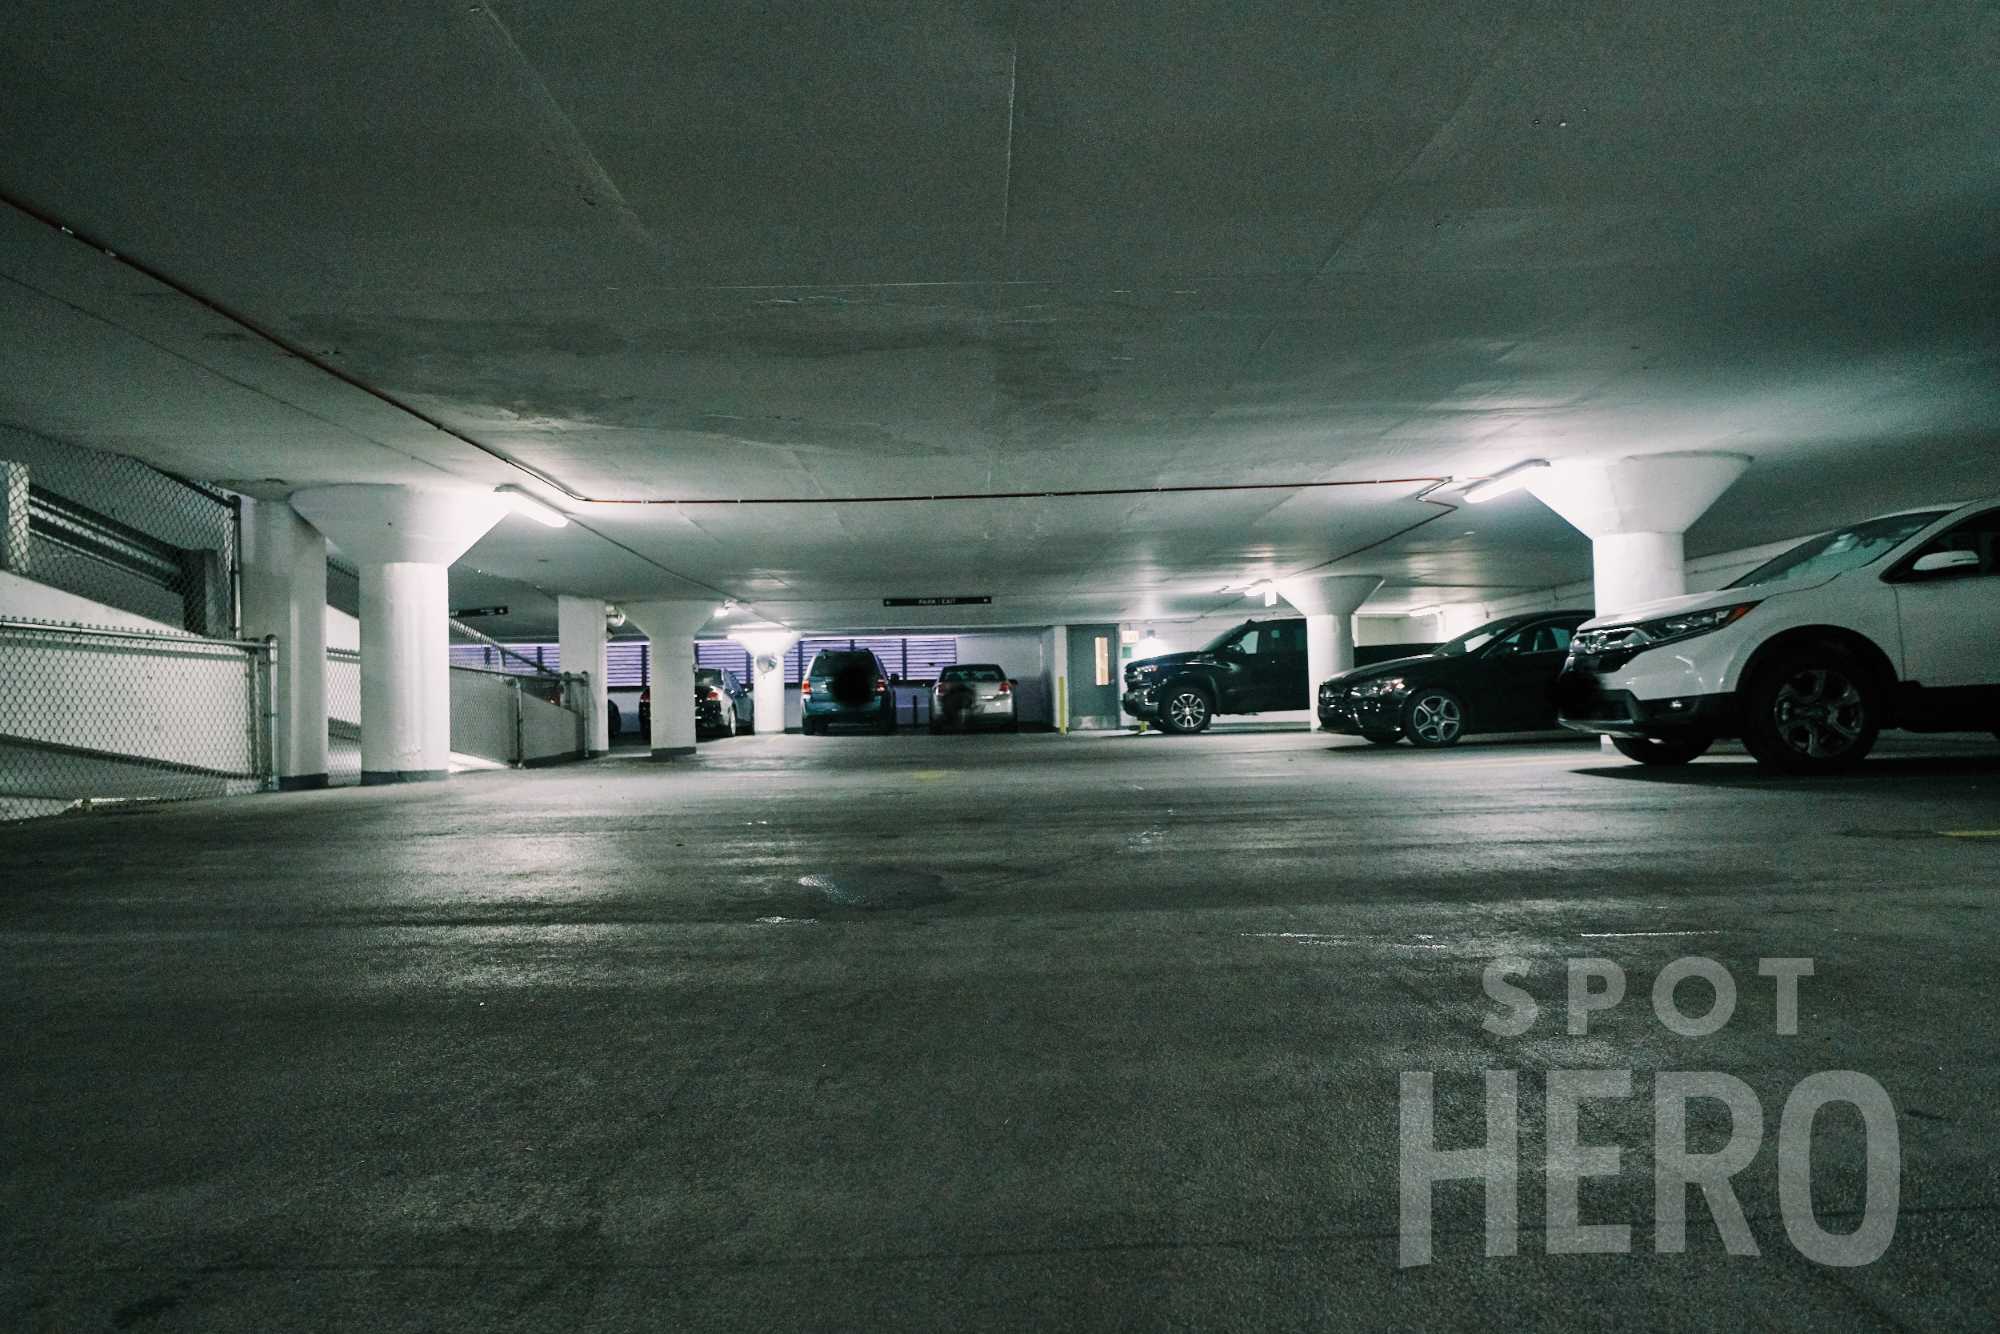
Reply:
x=912, y=657
x=92, y=715
x=725, y=654
x=112, y=530
x=628, y=662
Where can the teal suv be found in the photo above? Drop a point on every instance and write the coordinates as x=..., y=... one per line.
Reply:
x=846, y=688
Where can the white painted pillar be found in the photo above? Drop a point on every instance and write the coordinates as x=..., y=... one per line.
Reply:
x=405, y=672
x=404, y=540
x=284, y=594
x=671, y=626
x=1636, y=511
x=584, y=646
x=1329, y=602
x=767, y=649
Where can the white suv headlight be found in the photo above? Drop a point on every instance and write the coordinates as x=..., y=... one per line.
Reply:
x=1649, y=634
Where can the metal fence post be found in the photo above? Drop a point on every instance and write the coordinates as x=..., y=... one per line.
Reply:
x=270, y=713
x=519, y=749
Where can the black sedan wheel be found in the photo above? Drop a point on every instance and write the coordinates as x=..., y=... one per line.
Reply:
x=1813, y=711
x=1651, y=750
x=1185, y=711
x=1434, y=719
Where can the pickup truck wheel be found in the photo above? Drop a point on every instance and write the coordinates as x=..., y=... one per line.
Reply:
x=1434, y=719
x=1651, y=750
x=1813, y=710
x=1186, y=710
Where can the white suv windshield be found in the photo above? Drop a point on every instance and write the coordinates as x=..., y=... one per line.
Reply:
x=1838, y=552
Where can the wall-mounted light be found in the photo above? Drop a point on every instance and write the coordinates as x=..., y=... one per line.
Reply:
x=1504, y=481
x=727, y=605
x=529, y=507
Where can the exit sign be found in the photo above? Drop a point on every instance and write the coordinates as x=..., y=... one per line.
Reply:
x=979, y=601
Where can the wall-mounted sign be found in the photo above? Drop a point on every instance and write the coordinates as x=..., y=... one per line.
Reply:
x=466, y=613
x=937, y=602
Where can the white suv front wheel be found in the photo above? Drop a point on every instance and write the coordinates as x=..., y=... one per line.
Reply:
x=1812, y=710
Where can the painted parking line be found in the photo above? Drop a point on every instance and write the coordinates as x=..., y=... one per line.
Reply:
x=1633, y=935
x=1969, y=833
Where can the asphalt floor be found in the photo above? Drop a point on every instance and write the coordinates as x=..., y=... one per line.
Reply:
x=963, y=1032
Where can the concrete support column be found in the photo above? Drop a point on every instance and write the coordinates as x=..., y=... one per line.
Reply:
x=404, y=540
x=284, y=594
x=405, y=672
x=584, y=645
x=1635, y=511
x=767, y=649
x=1329, y=602
x=671, y=625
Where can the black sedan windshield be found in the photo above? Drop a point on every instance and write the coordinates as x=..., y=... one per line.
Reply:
x=1473, y=640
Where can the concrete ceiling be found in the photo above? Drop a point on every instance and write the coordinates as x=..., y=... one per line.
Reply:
x=811, y=252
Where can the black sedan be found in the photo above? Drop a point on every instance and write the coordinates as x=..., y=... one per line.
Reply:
x=722, y=704
x=1498, y=678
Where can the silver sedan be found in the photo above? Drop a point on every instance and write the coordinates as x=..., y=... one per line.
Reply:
x=973, y=694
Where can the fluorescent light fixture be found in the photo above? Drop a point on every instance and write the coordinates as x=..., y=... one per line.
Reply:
x=1504, y=481
x=529, y=507
x=725, y=607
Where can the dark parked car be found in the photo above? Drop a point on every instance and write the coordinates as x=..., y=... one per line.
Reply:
x=1255, y=667
x=1500, y=677
x=721, y=703
x=846, y=686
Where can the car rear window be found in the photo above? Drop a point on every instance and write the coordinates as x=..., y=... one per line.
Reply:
x=985, y=675
x=708, y=676
x=832, y=664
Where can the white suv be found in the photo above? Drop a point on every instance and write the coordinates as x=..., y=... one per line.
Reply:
x=1890, y=623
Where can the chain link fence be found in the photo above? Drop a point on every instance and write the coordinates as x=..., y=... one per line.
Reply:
x=91, y=715
x=343, y=717
x=117, y=532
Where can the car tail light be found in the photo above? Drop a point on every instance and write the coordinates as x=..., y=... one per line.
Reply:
x=805, y=688
x=881, y=686
x=1006, y=687
x=713, y=693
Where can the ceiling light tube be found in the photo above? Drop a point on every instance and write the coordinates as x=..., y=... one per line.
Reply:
x=529, y=507
x=1504, y=481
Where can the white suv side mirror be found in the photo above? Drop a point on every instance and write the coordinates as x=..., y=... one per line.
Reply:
x=1937, y=562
